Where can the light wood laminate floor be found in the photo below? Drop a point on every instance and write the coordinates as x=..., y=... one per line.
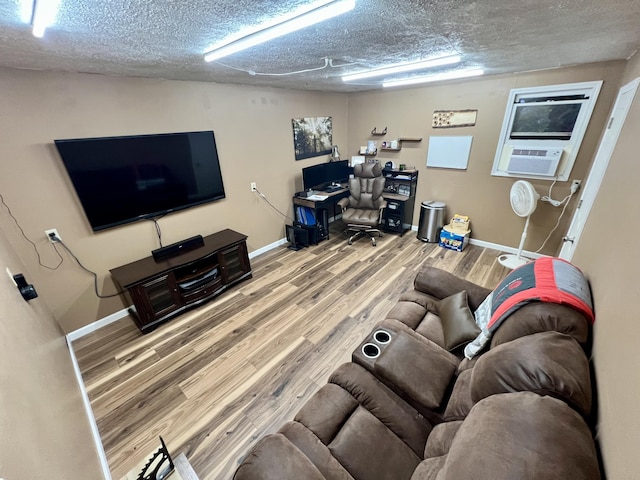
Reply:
x=216, y=379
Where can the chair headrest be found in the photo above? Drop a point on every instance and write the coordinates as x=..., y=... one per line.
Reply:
x=367, y=170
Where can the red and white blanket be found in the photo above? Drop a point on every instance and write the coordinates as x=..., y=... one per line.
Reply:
x=545, y=280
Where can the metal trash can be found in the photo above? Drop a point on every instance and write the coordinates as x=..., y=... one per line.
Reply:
x=431, y=221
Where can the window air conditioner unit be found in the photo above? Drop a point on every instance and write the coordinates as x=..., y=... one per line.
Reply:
x=534, y=161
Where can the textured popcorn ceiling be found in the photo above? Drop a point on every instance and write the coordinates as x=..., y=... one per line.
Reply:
x=167, y=38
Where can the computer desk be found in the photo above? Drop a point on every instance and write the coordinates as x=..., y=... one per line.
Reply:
x=321, y=209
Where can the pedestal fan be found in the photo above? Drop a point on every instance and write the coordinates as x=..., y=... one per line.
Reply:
x=524, y=200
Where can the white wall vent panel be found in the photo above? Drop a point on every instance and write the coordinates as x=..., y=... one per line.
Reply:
x=534, y=161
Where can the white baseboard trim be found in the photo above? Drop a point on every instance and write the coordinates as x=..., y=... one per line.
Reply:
x=92, y=420
x=496, y=246
x=266, y=248
x=504, y=248
x=92, y=327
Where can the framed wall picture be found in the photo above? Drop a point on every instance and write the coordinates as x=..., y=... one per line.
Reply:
x=312, y=136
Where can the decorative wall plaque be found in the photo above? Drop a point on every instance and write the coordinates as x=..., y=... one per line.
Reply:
x=454, y=118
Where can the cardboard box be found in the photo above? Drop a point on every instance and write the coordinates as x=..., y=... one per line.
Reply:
x=459, y=224
x=453, y=240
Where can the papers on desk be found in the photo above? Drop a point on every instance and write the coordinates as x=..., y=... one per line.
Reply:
x=316, y=197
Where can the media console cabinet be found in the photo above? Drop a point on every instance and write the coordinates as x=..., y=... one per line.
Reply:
x=161, y=290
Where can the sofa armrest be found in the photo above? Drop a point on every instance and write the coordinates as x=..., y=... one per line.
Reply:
x=413, y=366
x=441, y=284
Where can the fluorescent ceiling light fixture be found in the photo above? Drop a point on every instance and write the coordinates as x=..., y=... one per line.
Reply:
x=403, y=67
x=434, y=78
x=44, y=15
x=264, y=33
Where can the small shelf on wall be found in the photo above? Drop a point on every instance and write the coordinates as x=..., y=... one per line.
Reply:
x=400, y=141
x=375, y=132
x=369, y=154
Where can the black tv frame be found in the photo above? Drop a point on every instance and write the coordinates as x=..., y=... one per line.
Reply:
x=93, y=181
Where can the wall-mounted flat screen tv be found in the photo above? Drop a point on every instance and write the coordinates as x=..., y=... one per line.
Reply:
x=123, y=179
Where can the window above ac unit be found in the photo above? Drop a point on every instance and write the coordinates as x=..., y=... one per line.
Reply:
x=542, y=130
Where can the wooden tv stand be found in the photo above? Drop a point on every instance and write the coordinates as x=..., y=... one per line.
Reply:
x=161, y=290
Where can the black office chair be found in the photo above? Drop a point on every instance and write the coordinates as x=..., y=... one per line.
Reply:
x=362, y=210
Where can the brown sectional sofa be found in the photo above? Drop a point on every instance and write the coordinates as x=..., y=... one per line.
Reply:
x=407, y=408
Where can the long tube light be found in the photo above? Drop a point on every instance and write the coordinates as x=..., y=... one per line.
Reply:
x=403, y=67
x=44, y=15
x=434, y=78
x=266, y=33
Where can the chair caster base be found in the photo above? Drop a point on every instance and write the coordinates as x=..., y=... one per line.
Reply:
x=356, y=232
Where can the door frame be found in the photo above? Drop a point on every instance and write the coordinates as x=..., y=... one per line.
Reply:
x=598, y=169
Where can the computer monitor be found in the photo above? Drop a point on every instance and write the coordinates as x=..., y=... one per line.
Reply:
x=315, y=177
x=339, y=171
x=318, y=177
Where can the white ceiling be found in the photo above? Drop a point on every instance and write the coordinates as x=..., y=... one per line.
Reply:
x=166, y=38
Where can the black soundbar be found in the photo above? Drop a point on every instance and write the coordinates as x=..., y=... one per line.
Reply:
x=177, y=248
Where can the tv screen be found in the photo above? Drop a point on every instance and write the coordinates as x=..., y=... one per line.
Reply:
x=123, y=179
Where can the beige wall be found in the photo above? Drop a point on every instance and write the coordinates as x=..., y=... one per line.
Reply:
x=607, y=253
x=255, y=144
x=253, y=130
x=43, y=423
x=474, y=192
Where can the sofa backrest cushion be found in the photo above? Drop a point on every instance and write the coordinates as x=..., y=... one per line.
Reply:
x=397, y=415
x=549, y=280
x=548, y=363
x=521, y=436
x=440, y=284
x=367, y=449
x=544, y=317
x=276, y=457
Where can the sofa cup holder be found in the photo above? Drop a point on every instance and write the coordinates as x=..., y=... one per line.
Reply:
x=382, y=337
x=370, y=350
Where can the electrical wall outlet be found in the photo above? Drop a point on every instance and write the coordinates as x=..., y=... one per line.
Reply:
x=51, y=234
x=575, y=185
x=254, y=188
